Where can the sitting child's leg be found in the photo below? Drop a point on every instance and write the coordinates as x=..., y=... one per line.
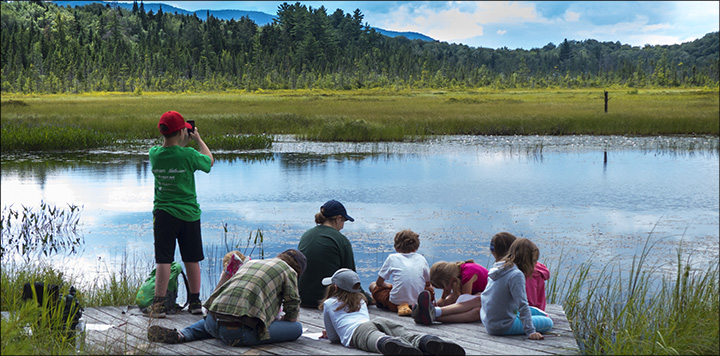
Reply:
x=541, y=323
x=464, y=312
x=381, y=294
x=538, y=311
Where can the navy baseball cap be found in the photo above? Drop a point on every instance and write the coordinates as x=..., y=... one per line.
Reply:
x=334, y=208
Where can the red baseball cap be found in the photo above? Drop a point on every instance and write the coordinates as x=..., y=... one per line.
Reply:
x=174, y=121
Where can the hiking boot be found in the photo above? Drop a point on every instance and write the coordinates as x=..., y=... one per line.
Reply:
x=404, y=309
x=424, y=312
x=433, y=345
x=160, y=334
x=395, y=346
x=195, y=307
x=156, y=310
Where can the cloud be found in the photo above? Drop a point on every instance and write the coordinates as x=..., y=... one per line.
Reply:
x=501, y=32
x=456, y=21
x=571, y=16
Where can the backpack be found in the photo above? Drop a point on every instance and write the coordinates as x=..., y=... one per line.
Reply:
x=146, y=293
x=68, y=304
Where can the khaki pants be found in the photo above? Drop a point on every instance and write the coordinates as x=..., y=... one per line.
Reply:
x=368, y=333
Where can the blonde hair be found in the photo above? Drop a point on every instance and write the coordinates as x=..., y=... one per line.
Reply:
x=407, y=241
x=351, y=300
x=228, y=256
x=442, y=271
x=524, y=254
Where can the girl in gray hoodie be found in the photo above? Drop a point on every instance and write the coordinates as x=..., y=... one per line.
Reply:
x=505, y=309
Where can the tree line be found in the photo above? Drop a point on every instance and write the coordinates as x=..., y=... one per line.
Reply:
x=49, y=49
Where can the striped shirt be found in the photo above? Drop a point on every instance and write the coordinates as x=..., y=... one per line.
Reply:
x=257, y=290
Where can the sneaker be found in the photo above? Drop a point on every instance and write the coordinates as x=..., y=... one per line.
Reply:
x=434, y=345
x=195, y=307
x=404, y=309
x=395, y=346
x=156, y=310
x=424, y=312
x=234, y=265
x=160, y=334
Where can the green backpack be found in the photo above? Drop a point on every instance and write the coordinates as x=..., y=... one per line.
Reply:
x=146, y=293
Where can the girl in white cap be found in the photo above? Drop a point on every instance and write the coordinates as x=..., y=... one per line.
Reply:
x=347, y=321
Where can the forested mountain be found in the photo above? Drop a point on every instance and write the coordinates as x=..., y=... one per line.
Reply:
x=49, y=48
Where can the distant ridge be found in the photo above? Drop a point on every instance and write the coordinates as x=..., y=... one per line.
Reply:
x=260, y=18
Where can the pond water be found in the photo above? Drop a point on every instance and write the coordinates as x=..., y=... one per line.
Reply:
x=455, y=191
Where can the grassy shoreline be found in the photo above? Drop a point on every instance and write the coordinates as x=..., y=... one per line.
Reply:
x=361, y=115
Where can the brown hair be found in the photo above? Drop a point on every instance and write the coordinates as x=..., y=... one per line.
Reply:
x=500, y=243
x=407, y=241
x=321, y=219
x=351, y=300
x=442, y=271
x=524, y=254
x=228, y=256
x=294, y=259
x=164, y=127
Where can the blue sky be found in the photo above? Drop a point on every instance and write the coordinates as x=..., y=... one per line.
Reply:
x=519, y=24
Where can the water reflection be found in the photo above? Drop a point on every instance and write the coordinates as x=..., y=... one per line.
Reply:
x=456, y=192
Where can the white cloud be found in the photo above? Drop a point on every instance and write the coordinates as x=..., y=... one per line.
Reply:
x=458, y=21
x=501, y=32
x=571, y=16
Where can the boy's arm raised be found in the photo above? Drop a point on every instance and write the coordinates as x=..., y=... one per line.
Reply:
x=195, y=135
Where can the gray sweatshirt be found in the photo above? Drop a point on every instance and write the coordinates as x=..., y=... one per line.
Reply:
x=503, y=297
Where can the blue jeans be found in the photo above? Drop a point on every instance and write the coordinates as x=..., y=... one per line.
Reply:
x=540, y=320
x=280, y=331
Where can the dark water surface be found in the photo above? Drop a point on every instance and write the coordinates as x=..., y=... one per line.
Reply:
x=455, y=191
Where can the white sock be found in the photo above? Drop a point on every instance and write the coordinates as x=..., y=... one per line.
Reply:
x=438, y=312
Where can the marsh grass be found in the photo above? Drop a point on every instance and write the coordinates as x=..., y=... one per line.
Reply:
x=376, y=115
x=118, y=288
x=53, y=137
x=47, y=229
x=643, y=311
x=28, y=328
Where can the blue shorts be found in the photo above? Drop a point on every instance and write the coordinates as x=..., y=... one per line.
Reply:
x=167, y=229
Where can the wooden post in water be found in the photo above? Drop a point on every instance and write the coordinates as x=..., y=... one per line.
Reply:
x=606, y=100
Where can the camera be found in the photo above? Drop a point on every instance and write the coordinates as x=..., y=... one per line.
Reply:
x=192, y=123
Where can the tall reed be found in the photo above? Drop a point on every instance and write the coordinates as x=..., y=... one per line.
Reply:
x=643, y=311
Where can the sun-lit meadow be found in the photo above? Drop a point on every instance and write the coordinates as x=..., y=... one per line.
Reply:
x=93, y=120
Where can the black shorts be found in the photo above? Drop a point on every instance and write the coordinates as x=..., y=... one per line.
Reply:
x=167, y=229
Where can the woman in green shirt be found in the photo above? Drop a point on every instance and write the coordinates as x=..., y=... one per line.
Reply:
x=326, y=250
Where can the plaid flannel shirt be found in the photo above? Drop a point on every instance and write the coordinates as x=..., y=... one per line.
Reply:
x=257, y=290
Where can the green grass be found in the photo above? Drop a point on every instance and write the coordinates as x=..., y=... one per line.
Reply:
x=374, y=115
x=641, y=312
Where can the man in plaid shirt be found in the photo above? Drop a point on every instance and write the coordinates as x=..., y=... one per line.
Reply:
x=245, y=310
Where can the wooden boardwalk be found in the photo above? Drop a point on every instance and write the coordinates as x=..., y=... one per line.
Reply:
x=123, y=330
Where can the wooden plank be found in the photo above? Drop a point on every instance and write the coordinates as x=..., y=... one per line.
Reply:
x=129, y=336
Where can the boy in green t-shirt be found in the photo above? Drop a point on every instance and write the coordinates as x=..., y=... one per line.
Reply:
x=176, y=212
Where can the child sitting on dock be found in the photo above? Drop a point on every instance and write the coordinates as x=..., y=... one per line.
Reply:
x=505, y=310
x=462, y=283
x=347, y=321
x=243, y=311
x=535, y=284
x=457, y=278
x=409, y=273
